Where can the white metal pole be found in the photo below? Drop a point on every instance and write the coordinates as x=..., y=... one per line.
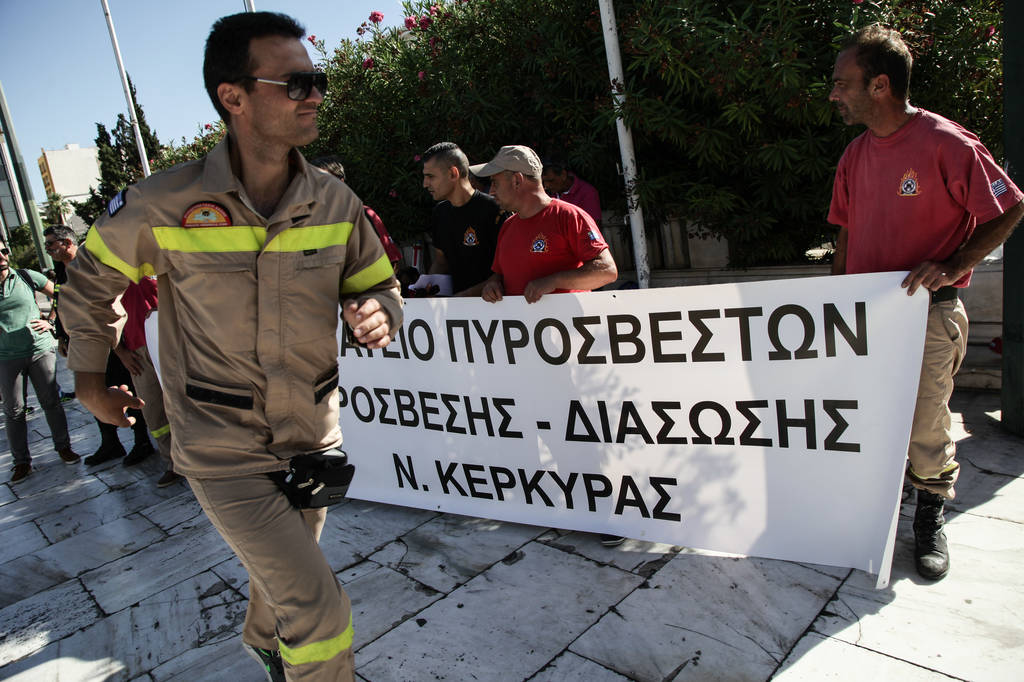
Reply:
x=249, y=6
x=618, y=82
x=127, y=90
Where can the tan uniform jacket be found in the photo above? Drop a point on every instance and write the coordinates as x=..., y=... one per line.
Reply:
x=248, y=311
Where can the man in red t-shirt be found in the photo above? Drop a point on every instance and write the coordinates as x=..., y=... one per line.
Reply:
x=917, y=192
x=548, y=246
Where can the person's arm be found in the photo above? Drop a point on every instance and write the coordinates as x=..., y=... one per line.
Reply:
x=106, y=403
x=439, y=266
x=839, y=256
x=373, y=312
x=987, y=236
x=593, y=274
x=493, y=288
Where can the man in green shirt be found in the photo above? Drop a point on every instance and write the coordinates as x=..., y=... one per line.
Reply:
x=27, y=350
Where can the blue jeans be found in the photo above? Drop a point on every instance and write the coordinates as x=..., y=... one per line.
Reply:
x=42, y=371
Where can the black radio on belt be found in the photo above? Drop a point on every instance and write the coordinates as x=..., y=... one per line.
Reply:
x=315, y=480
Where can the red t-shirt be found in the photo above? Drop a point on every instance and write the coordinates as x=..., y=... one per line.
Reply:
x=138, y=300
x=584, y=195
x=916, y=195
x=561, y=237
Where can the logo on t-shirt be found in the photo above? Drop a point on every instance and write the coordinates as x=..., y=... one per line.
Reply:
x=591, y=235
x=999, y=188
x=539, y=244
x=469, y=237
x=908, y=185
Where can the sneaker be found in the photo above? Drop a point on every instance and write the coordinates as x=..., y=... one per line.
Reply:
x=169, y=478
x=270, y=660
x=138, y=453
x=69, y=456
x=67, y=397
x=612, y=540
x=931, y=553
x=105, y=454
x=20, y=472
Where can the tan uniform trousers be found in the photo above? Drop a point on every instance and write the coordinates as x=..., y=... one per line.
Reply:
x=932, y=451
x=295, y=603
x=148, y=387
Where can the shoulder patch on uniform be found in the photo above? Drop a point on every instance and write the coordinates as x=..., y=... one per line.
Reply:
x=117, y=203
x=999, y=188
x=206, y=214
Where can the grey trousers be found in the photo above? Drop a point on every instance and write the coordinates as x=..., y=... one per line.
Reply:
x=41, y=370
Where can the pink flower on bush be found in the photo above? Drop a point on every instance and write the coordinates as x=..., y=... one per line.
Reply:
x=433, y=41
x=312, y=40
x=990, y=31
x=434, y=9
x=417, y=157
x=857, y=2
x=208, y=126
x=410, y=22
x=422, y=75
x=376, y=17
x=368, y=63
x=425, y=21
x=393, y=194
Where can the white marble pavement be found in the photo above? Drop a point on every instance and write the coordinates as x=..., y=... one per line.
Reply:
x=104, y=576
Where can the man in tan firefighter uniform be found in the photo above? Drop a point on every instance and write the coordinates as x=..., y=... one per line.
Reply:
x=252, y=251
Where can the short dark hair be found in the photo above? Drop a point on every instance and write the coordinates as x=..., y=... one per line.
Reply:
x=555, y=165
x=60, y=232
x=881, y=50
x=332, y=164
x=448, y=154
x=227, y=57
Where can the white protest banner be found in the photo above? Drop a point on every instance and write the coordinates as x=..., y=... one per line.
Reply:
x=767, y=418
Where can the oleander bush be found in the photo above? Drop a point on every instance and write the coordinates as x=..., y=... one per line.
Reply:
x=727, y=101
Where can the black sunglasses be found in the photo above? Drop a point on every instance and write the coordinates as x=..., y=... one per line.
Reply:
x=299, y=84
x=5, y=251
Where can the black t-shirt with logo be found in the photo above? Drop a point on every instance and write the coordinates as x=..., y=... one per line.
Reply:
x=467, y=235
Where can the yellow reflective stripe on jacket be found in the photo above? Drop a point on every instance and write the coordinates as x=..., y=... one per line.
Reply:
x=367, y=277
x=318, y=651
x=95, y=245
x=162, y=431
x=310, y=237
x=231, y=239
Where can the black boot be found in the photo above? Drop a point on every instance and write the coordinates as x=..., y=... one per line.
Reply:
x=930, y=552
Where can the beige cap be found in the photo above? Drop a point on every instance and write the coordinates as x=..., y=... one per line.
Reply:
x=515, y=158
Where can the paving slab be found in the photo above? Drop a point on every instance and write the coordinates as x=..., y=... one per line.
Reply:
x=19, y=540
x=96, y=511
x=637, y=556
x=130, y=579
x=382, y=599
x=179, y=512
x=45, y=617
x=815, y=658
x=223, y=660
x=117, y=647
x=572, y=668
x=48, y=501
x=505, y=624
x=66, y=559
x=709, y=618
x=967, y=625
x=449, y=550
x=356, y=529
x=6, y=494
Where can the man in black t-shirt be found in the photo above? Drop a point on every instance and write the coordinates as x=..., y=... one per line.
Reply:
x=465, y=222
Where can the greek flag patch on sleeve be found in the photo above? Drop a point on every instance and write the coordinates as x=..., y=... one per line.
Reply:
x=999, y=188
x=116, y=204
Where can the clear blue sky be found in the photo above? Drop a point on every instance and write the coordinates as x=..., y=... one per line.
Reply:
x=58, y=70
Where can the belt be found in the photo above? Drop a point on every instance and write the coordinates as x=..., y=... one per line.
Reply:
x=945, y=294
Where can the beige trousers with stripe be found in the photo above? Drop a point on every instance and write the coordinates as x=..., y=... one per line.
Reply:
x=294, y=598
